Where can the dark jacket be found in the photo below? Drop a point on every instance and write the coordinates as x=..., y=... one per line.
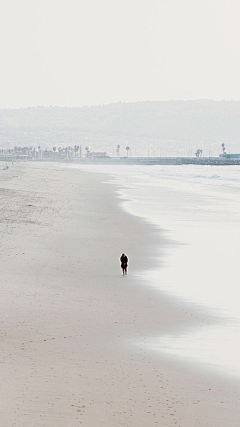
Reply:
x=124, y=260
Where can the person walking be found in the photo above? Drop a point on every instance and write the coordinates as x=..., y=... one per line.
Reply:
x=124, y=263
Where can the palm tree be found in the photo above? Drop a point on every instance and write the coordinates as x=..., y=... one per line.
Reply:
x=87, y=150
x=224, y=148
x=76, y=149
x=198, y=153
x=127, y=148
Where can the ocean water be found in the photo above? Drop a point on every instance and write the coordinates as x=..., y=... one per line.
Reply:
x=198, y=210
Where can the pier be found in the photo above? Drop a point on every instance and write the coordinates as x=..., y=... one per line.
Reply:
x=213, y=161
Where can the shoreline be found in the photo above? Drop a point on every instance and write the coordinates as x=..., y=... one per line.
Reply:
x=70, y=317
x=154, y=196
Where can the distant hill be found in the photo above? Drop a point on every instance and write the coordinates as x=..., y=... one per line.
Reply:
x=171, y=125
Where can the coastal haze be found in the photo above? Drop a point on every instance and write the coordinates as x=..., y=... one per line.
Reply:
x=87, y=89
x=76, y=53
x=167, y=128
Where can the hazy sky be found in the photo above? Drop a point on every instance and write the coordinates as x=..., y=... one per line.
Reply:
x=83, y=52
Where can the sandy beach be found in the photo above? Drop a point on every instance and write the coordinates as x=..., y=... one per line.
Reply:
x=70, y=321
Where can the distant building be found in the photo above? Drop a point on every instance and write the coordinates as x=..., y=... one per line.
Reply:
x=23, y=156
x=230, y=156
x=96, y=154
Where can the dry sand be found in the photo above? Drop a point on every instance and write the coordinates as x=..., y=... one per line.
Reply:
x=70, y=321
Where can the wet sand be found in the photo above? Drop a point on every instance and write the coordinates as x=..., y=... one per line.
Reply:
x=70, y=321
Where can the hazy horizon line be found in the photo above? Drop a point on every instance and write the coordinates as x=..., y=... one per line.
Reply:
x=119, y=102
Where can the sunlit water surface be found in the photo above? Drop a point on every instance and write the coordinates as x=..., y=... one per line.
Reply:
x=198, y=208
